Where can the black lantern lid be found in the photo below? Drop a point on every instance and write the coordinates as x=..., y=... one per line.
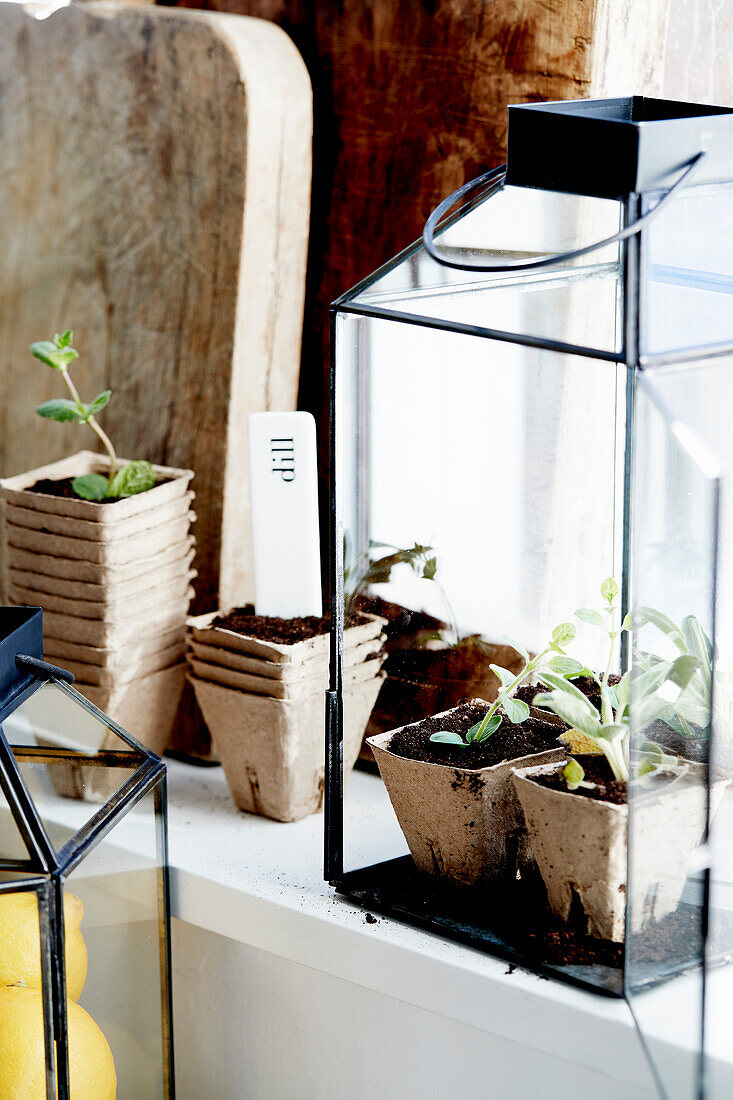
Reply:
x=609, y=148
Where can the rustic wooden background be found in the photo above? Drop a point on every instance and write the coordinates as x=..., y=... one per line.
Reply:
x=410, y=100
x=155, y=187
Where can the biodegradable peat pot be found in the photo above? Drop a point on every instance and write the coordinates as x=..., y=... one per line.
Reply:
x=146, y=707
x=88, y=675
x=132, y=657
x=117, y=585
x=124, y=550
x=279, y=689
x=109, y=609
x=287, y=671
x=367, y=628
x=462, y=824
x=272, y=750
x=16, y=491
x=111, y=634
x=89, y=572
x=580, y=843
x=110, y=528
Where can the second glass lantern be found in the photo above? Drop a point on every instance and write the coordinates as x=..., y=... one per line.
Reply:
x=85, y=1007
x=528, y=421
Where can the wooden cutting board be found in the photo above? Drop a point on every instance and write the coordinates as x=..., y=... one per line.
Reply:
x=155, y=190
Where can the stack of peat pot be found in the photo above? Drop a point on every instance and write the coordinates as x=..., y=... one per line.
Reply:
x=263, y=699
x=113, y=579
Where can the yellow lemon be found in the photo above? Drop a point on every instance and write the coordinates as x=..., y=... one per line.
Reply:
x=22, y=1059
x=20, y=951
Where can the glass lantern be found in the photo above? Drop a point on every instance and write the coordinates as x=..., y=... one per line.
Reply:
x=84, y=920
x=537, y=396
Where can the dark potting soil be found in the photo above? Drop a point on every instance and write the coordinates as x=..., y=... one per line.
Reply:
x=405, y=628
x=422, y=682
x=242, y=620
x=508, y=743
x=695, y=748
x=673, y=939
x=64, y=488
x=598, y=771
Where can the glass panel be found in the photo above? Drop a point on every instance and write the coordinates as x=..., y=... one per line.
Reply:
x=70, y=759
x=689, y=293
x=12, y=845
x=683, y=419
x=26, y=1036
x=577, y=303
x=675, y=546
x=494, y=455
x=496, y=468
x=117, y=892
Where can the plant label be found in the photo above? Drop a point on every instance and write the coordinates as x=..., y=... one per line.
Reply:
x=284, y=496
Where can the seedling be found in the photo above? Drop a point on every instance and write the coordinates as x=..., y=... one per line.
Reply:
x=607, y=731
x=365, y=572
x=693, y=706
x=553, y=659
x=134, y=477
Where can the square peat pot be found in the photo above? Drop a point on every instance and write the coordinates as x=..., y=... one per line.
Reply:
x=532, y=398
x=84, y=919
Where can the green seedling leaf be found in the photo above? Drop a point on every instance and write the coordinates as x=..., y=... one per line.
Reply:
x=610, y=692
x=90, y=486
x=588, y=615
x=504, y=675
x=573, y=774
x=609, y=589
x=95, y=406
x=560, y=683
x=628, y=623
x=55, y=357
x=656, y=618
x=517, y=711
x=64, y=341
x=578, y=713
x=134, y=478
x=518, y=646
x=683, y=669
x=446, y=738
x=430, y=569
x=611, y=731
x=475, y=733
x=61, y=408
x=566, y=666
x=563, y=634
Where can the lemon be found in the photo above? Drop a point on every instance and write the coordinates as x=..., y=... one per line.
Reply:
x=22, y=1053
x=20, y=951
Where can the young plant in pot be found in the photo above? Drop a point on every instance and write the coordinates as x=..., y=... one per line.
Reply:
x=449, y=776
x=260, y=682
x=576, y=811
x=104, y=547
x=429, y=667
x=683, y=728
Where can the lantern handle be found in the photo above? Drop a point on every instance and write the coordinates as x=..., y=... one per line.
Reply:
x=495, y=180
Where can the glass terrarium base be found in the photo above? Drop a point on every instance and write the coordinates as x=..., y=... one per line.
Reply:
x=515, y=924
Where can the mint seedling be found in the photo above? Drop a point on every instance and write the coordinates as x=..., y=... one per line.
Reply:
x=133, y=478
x=553, y=659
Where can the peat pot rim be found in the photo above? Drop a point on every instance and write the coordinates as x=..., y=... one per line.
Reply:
x=380, y=741
x=15, y=489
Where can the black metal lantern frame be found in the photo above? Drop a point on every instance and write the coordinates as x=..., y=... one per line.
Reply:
x=646, y=296
x=49, y=862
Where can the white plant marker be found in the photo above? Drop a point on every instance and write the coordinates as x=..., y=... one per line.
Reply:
x=284, y=494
